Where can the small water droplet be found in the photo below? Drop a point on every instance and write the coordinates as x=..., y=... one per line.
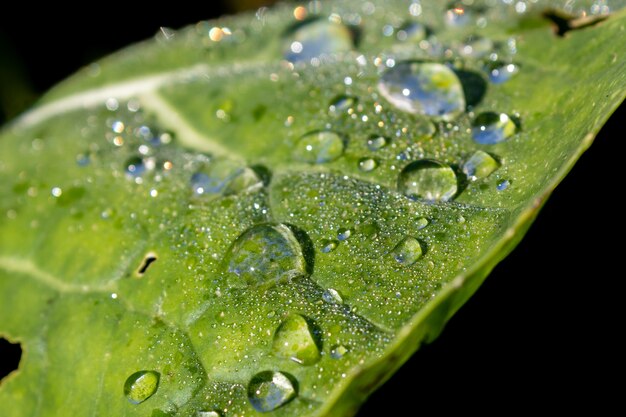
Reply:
x=412, y=32
x=224, y=177
x=135, y=167
x=269, y=390
x=342, y=104
x=368, y=164
x=476, y=47
x=319, y=147
x=500, y=72
x=332, y=296
x=503, y=185
x=338, y=351
x=480, y=165
x=425, y=88
x=208, y=414
x=141, y=385
x=328, y=245
x=265, y=253
x=318, y=37
x=490, y=128
x=407, y=251
x=421, y=223
x=343, y=233
x=376, y=142
x=428, y=180
x=294, y=340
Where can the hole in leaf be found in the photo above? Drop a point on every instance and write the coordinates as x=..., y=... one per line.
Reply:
x=11, y=353
x=564, y=22
x=147, y=261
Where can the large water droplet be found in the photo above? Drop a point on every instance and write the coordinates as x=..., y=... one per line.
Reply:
x=294, y=340
x=141, y=385
x=224, y=177
x=490, y=128
x=428, y=180
x=407, y=251
x=319, y=147
x=423, y=88
x=269, y=390
x=479, y=165
x=318, y=37
x=368, y=164
x=266, y=253
x=500, y=72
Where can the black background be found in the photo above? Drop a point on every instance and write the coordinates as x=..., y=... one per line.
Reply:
x=542, y=334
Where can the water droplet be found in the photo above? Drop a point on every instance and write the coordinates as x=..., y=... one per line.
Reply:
x=319, y=147
x=269, y=390
x=332, y=296
x=294, y=340
x=476, y=47
x=208, y=414
x=141, y=385
x=500, y=72
x=490, y=128
x=428, y=180
x=421, y=223
x=318, y=37
x=480, y=165
x=503, y=185
x=457, y=15
x=343, y=233
x=367, y=164
x=423, y=88
x=265, y=253
x=224, y=177
x=407, y=251
x=376, y=142
x=338, y=351
x=135, y=167
x=328, y=245
x=342, y=104
x=412, y=32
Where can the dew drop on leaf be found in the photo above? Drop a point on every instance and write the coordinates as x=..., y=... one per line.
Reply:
x=208, y=414
x=412, y=32
x=367, y=164
x=342, y=104
x=428, y=180
x=269, y=390
x=343, y=233
x=141, y=385
x=500, y=72
x=266, y=253
x=135, y=167
x=490, y=128
x=426, y=88
x=480, y=165
x=338, y=351
x=376, y=142
x=332, y=296
x=328, y=245
x=317, y=37
x=407, y=251
x=294, y=340
x=319, y=147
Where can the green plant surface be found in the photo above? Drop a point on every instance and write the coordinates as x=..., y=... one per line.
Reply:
x=213, y=222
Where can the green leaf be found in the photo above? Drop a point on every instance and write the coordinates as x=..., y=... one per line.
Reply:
x=197, y=225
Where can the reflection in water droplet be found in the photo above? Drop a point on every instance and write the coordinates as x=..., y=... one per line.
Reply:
x=269, y=390
x=342, y=104
x=480, y=165
x=500, y=72
x=423, y=88
x=332, y=296
x=375, y=142
x=265, y=253
x=294, y=340
x=141, y=385
x=428, y=180
x=224, y=177
x=135, y=167
x=338, y=351
x=328, y=245
x=407, y=251
x=318, y=37
x=412, y=32
x=319, y=147
x=503, y=185
x=367, y=164
x=490, y=128
x=343, y=233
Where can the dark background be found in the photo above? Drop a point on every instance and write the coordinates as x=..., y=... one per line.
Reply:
x=542, y=334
